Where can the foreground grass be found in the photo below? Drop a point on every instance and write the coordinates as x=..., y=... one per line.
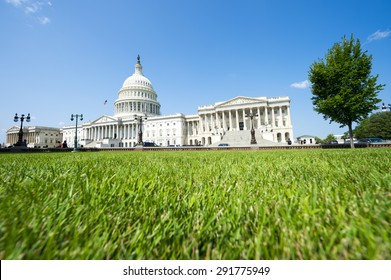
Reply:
x=317, y=204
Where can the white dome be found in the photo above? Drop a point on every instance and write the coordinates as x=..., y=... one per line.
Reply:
x=137, y=79
x=137, y=96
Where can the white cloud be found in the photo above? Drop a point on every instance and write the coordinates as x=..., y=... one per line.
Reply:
x=378, y=35
x=16, y=3
x=44, y=20
x=301, y=85
x=33, y=7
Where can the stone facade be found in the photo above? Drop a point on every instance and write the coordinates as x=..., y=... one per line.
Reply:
x=35, y=136
x=216, y=123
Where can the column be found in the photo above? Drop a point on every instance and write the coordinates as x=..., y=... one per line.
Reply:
x=230, y=120
x=224, y=121
x=288, y=113
x=273, y=118
x=259, y=117
x=266, y=118
x=280, y=117
x=237, y=119
x=195, y=127
x=244, y=119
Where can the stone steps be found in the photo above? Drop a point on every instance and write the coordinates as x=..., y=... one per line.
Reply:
x=242, y=138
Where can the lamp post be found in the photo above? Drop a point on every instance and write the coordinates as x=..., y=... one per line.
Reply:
x=76, y=117
x=20, y=134
x=251, y=116
x=139, y=120
x=384, y=107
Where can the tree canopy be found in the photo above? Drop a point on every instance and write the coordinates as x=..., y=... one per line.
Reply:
x=342, y=86
x=377, y=125
x=329, y=138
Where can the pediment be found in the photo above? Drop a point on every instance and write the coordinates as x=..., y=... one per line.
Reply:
x=240, y=100
x=104, y=119
x=14, y=128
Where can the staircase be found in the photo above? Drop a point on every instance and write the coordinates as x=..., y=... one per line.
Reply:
x=242, y=138
x=92, y=144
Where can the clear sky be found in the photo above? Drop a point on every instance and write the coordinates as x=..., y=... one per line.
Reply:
x=63, y=57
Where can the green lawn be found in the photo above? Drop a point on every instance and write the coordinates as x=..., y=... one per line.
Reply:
x=285, y=204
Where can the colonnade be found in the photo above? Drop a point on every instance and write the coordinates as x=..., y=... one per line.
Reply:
x=13, y=137
x=137, y=107
x=36, y=138
x=113, y=131
x=192, y=127
x=239, y=119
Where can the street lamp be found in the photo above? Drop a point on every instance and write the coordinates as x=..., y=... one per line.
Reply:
x=384, y=107
x=72, y=118
x=20, y=134
x=251, y=116
x=140, y=119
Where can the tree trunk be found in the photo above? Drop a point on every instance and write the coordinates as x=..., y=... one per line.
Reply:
x=351, y=135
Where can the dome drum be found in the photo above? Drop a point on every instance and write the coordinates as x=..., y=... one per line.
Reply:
x=131, y=107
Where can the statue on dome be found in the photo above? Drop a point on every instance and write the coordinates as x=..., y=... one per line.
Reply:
x=138, y=59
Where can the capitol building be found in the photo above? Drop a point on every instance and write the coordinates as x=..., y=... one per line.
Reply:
x=228, y=122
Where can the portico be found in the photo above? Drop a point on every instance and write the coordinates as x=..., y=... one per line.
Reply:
x=269, y=115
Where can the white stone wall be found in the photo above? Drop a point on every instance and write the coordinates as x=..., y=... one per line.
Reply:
x=36, y=136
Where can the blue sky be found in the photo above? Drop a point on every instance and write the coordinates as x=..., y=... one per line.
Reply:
x=64, y=57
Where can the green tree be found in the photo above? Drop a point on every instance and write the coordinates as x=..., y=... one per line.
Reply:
x=377, y=125
x=329, y=138
x=345, y=136
x=318, y=140
x=342, y=86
